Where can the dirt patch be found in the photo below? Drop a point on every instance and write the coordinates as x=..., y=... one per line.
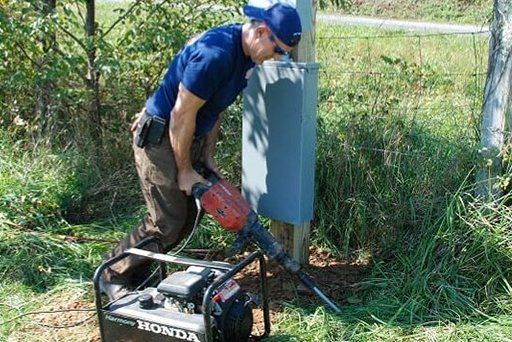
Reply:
x=63, y=324
x=338, y=279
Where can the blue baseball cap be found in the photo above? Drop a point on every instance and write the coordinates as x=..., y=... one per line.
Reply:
x=282, y=19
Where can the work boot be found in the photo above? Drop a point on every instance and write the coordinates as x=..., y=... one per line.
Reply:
x=112, y=290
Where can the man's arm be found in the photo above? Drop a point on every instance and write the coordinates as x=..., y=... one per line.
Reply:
x=181, y=133
x=210, y=144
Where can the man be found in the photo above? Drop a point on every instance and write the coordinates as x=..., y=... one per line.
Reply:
x=181, y=122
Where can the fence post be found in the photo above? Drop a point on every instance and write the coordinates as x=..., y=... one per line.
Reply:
x=496, y=100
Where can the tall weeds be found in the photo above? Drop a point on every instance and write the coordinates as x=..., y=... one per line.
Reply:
x=459, y=270
x=36, y=188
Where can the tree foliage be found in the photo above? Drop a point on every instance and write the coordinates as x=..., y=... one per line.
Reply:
x=128, y=53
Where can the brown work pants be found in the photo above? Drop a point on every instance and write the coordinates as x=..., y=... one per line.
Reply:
x=171, y=213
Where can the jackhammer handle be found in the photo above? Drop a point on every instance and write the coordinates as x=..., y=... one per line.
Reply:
x=204, y=171
x=199, y=189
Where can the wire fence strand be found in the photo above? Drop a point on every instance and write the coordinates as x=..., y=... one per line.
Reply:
x=427, y=74
x=403, y=35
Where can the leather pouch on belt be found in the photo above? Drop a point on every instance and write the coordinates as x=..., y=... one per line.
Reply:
x=156, y=131
x=150, y=130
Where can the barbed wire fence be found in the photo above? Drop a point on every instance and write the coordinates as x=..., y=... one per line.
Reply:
x=431, y=80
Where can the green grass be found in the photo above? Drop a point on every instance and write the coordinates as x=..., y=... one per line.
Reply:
x=14, y=298
x=365, y=324
x=40, y=191
x=398, y=118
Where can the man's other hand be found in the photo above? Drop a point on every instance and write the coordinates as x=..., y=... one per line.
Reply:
x=135, y=123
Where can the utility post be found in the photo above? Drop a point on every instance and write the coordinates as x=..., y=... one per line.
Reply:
x=305, y=51
x=279, y=139
x=295, y=237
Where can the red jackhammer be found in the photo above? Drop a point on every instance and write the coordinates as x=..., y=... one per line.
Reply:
x=225, y=203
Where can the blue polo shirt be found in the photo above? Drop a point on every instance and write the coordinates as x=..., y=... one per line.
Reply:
x=213, y=67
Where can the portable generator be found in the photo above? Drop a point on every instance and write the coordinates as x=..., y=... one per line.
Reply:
x=201, y=303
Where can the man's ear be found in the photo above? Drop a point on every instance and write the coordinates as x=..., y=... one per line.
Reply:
x=260, y=30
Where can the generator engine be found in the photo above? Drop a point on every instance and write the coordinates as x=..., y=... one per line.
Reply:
x=200, y=303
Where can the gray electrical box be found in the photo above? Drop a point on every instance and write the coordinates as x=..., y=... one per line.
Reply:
x=279, y=139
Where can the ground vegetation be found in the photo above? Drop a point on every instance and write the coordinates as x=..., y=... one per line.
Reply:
x=417, y=256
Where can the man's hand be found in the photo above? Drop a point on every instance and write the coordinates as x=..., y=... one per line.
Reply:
x=186, y=179
x=135, y=123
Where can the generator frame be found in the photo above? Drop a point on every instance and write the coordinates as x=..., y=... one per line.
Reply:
x=163, y=259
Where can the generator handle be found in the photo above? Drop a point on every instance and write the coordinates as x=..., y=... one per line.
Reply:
x=208, y=295
x=117, y=258
x=99, y=271
x=172, y=259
